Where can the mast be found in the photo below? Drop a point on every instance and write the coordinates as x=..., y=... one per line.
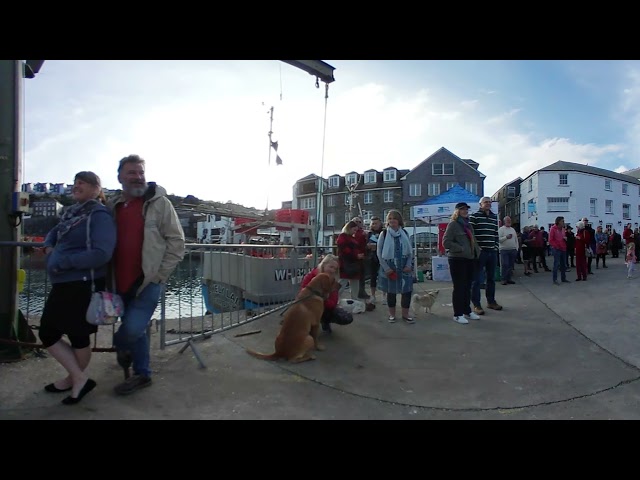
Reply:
x=270, y=147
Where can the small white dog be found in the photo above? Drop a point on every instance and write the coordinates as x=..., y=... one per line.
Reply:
x=424, y=300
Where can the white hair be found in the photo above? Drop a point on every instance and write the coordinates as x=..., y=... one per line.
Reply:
x=580, y=224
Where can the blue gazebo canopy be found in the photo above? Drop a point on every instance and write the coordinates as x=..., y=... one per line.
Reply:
x=454, y=195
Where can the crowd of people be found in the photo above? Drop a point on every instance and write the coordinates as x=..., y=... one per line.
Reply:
x=476, y=243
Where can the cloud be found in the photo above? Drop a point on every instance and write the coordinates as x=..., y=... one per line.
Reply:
x=203, y=126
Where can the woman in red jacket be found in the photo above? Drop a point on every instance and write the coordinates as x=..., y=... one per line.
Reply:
x=332, y=313
x=582, y=242
x=350, y=257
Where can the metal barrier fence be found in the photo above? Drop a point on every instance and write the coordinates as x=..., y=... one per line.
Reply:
x=215, y=288
x=220, y=287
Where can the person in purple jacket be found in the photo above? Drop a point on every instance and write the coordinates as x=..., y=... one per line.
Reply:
x=72, y=254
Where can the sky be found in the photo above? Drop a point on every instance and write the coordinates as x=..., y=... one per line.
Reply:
x=203, y=126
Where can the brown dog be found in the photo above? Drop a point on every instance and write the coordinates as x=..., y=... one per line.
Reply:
x=301, y=324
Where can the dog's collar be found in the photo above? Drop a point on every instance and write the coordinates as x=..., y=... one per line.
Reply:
x=316, y=292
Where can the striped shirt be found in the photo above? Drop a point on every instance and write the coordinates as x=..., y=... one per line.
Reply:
x=485, y=229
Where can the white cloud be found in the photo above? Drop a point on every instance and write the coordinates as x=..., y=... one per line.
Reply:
x=202, y=126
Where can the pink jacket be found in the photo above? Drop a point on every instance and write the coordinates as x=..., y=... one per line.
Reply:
x=557, y=238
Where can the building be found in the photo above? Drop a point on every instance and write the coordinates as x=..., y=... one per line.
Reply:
x=574, y=190
x=508, y=198
x=48, y=207
x=437, y=174
x=58, y=188
x=374, y=193
x=41, y=188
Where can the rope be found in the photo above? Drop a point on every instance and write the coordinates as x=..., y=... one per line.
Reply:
x=324, y=137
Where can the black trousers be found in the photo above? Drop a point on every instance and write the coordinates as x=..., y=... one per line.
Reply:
x=461, y=270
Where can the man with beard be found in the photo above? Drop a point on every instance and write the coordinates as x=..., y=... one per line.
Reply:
x=150, y=244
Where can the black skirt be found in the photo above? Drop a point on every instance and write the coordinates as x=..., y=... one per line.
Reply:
x=66, y=308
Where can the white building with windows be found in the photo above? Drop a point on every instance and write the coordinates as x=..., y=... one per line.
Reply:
x=574, y=191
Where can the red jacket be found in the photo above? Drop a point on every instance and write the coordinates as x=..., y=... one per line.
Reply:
x=557, y=238
x=583, y=240
x=361, y=240
x=348, y=254
x=331, y=302
x=627, y=234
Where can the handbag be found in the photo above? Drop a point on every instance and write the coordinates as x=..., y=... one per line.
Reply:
x=341, y=316
x=104, y=307
x=588, y=252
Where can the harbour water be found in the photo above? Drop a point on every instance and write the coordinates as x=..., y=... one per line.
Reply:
x=183, y=295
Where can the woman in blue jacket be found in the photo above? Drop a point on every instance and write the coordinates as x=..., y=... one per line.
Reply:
x=72, y=253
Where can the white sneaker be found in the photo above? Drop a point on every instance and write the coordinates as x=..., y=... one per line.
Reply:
x=392, y=319
x=460, y=319
x=473, y=316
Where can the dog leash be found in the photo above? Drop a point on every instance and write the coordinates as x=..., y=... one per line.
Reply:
x=314, y=292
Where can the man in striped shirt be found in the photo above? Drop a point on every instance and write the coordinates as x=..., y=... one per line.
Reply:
x=485, y=229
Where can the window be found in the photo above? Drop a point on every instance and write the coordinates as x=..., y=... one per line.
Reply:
x=331, y=200
x=347, y=198
x=607, y=185
x=609, y=226
x=511, y=192
x=523, y=209
x=626, y=214
x=564, y=178
x=347, y=217
x=442, y=169
x=471, y=187
x=331, y=219
x=415, y=189
x=450, y=185
x=433, y=189
x=384, y=216
x=531, y=184
x=370, y=177
x=592, y=204
x=308, y=203
x=368, y=198
x=351, y=179
x=608, y=206
x=639, y=210
x=625, y=189
x=334, y=181
x=388, y=196
x=531, y=208
x=389, y=175
x=557, y=204
x=366, y=217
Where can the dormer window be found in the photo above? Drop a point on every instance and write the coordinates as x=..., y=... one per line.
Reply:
x=334, y=181
x=389, y=175
x=351, y=179
x=370, y=177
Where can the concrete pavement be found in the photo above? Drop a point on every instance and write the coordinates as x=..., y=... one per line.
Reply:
x=554, y=352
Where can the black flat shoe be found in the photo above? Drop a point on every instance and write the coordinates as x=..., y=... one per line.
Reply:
x=51, y=388
x=90, y=385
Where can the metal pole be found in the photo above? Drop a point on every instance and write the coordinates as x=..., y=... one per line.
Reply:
x=11, y=77
x=270, y=146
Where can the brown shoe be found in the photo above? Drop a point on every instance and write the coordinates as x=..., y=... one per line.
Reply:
x=494, y=306
x=478, y=310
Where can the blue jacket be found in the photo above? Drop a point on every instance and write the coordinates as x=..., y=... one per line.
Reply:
x=70, y=259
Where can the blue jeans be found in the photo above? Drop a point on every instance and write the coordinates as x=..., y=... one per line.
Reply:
x=559, y=262
x=132, y=334
x=508, y=262
x=487, y=261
